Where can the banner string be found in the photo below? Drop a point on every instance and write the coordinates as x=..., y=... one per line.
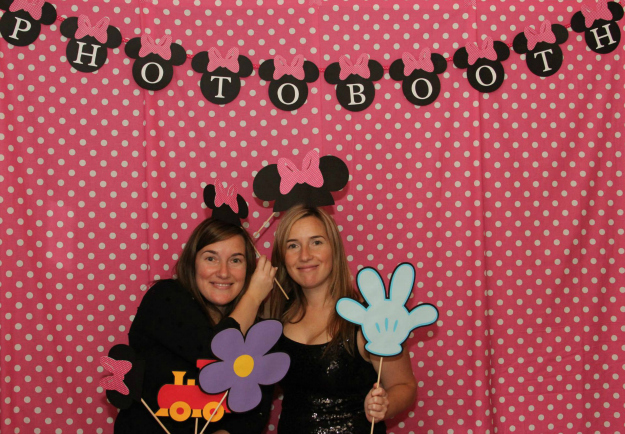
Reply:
x=257, y=65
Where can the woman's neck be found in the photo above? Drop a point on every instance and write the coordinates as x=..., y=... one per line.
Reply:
x=318, y=298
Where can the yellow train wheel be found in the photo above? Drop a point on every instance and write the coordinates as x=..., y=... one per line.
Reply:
x=180, y=411
x=210, y=408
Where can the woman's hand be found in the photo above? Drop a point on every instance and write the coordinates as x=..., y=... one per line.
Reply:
x=262, y=280
x=376, y=404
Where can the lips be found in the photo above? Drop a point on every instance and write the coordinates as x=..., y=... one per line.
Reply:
x=307, y=268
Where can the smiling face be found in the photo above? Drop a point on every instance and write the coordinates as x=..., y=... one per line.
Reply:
x=308, y=257
x=220, y=270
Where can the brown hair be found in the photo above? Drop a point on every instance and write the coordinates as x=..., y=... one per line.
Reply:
x=340, y=278
x=208, y=232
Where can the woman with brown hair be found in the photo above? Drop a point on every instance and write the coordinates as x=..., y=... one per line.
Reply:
x=219, y=285
x=330, y=384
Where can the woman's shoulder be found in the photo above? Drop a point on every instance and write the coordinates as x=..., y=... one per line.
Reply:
x=166, y=292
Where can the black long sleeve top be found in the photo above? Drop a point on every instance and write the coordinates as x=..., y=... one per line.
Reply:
x=171, y=332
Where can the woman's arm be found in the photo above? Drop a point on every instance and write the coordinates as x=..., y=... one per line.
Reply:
x=260, y=286
x=398, y=389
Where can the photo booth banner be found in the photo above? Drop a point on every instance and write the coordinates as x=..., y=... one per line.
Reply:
x=509, y=204
x=153, y=68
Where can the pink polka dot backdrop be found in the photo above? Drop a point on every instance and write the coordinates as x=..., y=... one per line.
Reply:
x=509, y=204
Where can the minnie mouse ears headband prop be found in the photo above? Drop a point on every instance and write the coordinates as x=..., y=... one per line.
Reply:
x=311, y=185
x=227, y=205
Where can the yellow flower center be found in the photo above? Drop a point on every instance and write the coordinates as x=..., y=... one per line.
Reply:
x=243, y=365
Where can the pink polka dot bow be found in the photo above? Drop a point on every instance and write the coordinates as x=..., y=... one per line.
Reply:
x=148, y=46
x=487, y=51
x=98, y=31
x=361, y=67
x=216, y=60
x=545, y=34
x=119, y=368
x=600, y=13
x=290, y=175
x=296, y=68
x=424, y=62
x=33, y=7
x=227, y=195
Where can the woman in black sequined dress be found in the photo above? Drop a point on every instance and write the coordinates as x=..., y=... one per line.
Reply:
x=330, y=386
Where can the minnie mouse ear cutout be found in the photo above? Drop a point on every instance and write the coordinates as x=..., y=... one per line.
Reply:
x=87, y=47
x=126, y=382
x=599, y=24
x=311, y=186
x=227, y=205
x=21, y=24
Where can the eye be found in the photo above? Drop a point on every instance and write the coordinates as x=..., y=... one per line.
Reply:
x=317, y=242
x=291, y=246
x=211, y=258
x=237, y=260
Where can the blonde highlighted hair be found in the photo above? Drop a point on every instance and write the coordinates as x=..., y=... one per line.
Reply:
x=293, y=310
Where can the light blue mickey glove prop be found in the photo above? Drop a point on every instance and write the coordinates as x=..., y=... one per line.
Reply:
x=386, y=323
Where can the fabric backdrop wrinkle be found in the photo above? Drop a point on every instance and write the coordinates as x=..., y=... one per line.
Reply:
x=528, y=339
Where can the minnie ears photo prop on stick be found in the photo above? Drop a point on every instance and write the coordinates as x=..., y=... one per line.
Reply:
x=354, y=81
x=601, y=32
x=311, y=185
x=153, y=68
x=21, y=23
x=543, y=54
x=485, y=71
x=419, y=77
x=87, y=47
x=288, y=89
x=126, y=382
x=221, y=76
x=227, y=205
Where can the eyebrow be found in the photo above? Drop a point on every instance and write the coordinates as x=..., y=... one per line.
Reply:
x=312, y=238
x=215, y=253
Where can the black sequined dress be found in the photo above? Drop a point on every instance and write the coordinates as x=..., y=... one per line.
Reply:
x=325, y=394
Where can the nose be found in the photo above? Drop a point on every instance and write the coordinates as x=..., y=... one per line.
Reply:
x=305, y=254
x=223, y=271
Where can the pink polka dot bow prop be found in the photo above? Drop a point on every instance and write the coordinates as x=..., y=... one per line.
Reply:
x=361, y=67
x=600, y=13
x=216, y=60
x=290, y=175
x=119, y=368
x=33, y=7
x=99, y=31
x=487, y=51
x=226, y=195
x=149, y=46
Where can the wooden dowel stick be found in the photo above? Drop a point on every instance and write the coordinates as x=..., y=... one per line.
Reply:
x=154, y=416
x=261, y=228
x=214, y=411
x=376, y=386
x=196, y=419
x=274, y=279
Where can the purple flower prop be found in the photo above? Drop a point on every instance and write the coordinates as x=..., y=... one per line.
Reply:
x=245, y=364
